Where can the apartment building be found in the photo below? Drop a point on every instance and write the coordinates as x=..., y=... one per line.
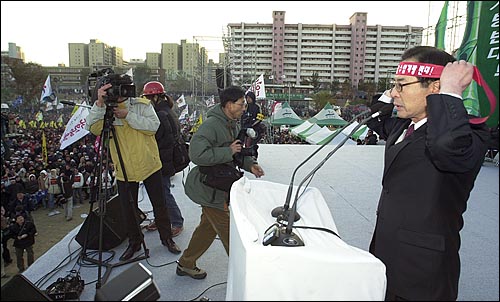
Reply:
x=95, y=54
x=292, y=53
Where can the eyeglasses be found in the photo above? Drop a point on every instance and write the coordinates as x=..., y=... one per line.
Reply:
x=399, y=87
x=241, y=104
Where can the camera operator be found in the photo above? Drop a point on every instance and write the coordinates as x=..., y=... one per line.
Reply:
x=135, y=123
x=214, y=143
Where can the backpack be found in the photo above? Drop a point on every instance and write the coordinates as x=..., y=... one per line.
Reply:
x=180, y=154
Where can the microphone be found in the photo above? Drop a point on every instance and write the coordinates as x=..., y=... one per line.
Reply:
x=251, y=133
x=74, y=104
x=285, y=237
x=68, y=103
x=284, y=210
x=384, y=110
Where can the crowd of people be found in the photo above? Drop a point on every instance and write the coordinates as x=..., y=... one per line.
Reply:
x=30, y=183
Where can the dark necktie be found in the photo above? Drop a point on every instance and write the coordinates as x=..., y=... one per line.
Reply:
x=410, y=130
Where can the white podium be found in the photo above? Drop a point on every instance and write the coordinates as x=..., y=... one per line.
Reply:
x=326, y=268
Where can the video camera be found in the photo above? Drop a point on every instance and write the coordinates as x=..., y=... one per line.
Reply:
x=123, y=86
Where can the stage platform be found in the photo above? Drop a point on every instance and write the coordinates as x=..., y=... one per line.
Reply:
x=350, y=183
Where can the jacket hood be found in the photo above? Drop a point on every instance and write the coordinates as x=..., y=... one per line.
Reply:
x=216, y=111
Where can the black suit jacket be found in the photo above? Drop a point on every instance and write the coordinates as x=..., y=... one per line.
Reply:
x=426, y=184
x=165, y=136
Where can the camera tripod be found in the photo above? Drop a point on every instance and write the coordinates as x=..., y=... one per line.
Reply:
x=100, y=191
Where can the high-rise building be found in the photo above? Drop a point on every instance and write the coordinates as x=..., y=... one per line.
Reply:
x=95, y=55
x=78, y=54
x=15, y=51
x=190, y=58
x=153, y=60
x=293, y=53
x=171, y=59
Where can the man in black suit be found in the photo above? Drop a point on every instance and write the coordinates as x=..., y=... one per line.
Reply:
x=428, y=175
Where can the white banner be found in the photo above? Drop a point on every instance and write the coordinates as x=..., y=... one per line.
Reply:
x=184, y=114
x=75, y=129
x=181, y=101
x=258, y=88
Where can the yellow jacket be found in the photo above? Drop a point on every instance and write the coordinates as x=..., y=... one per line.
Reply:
x=135, y=135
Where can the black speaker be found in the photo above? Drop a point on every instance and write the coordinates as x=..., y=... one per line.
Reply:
x=19, y=288
x=219, y=78
x=134, y=284
x=113, y=232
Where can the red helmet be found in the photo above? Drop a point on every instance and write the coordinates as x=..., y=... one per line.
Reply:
x=153, y=87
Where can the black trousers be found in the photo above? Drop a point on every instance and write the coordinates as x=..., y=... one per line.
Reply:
x=128, y=193
x=5, y=249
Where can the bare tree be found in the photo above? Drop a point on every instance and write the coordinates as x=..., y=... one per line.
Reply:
x=27, y=80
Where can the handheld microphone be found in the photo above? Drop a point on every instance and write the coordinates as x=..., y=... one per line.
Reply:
x=287, y=235
x=251, y=133
x=284, y=210
x=74, y=104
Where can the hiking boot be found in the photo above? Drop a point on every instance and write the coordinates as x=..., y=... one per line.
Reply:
x=176, y=231
x=194, y=273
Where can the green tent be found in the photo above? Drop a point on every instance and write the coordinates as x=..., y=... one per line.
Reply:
x=285, y=116
x=327, y=116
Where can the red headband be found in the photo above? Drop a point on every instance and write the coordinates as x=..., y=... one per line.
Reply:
x=425, y=70
x=422, y=70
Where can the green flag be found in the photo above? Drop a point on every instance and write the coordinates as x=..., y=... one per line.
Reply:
x=440, y=32
x=482, y=51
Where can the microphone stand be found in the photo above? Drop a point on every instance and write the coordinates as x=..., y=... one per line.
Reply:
x=283, y=211
x=285, y=235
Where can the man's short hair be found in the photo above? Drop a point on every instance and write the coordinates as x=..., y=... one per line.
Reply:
x=231, y=94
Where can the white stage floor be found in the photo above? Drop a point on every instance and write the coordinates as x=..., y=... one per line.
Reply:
x=350, y=182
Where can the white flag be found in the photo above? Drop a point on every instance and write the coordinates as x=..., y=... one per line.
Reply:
x=181, y=101
x=258, y=88
x=192, y=117
x=130, y=73
x=210, y=101
x=75, y=129
x=184, y=114
x=47, y=92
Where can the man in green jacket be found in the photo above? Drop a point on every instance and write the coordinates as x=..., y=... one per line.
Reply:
x=215, y=142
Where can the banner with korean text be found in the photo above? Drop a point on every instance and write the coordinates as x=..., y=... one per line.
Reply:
x=75, y=129
x=480, y=47
x=259, y=88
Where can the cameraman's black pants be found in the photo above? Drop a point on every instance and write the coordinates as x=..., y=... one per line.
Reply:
x=5, y=249
x=154, y=188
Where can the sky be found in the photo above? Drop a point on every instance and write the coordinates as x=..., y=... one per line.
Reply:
x=44, y=29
